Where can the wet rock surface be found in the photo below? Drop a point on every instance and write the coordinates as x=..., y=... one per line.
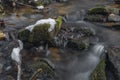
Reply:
x=113, y=63
x=57, y=62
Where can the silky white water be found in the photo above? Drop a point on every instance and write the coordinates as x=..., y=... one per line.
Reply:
x=81, y=66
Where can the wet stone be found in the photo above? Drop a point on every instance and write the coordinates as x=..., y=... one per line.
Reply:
x=1, y=67
x=1, y=54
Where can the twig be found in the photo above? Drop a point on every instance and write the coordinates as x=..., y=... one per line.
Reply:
x=25, y=4
x=35, y=74
x=19, y=72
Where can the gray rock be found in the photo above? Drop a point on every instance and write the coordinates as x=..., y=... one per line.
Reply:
x=1, y=67
x=1, y=54
x=113, y=63
x=114, y=18
x=2, y=63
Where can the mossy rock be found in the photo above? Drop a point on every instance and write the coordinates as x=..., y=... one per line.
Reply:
x=98, y=10
x=96, y=18
x=44, y=66
x=99, y=72
x=24, y=35
x=40, y=33
x=77, y=44
x=97, y=14
x=58, y=24
x=43, y=2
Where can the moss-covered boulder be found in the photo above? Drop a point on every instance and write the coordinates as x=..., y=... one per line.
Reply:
x=41, y=33
x=97, y=14
x=42, y=70
x=78, y=44
x=98, y=10
x=24, y=35
x=99, y=72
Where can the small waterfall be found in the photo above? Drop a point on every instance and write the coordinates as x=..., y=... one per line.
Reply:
x=98, y=49
x=89, y=62
x=81, y=66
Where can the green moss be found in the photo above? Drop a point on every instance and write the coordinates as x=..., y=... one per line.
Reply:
x=59, y=22
x=40, y=33
x=42, y=2
x=46, y=68
x=98, y=10
x=77, y=45
x=39, y=3
x=99, y=72
x=24, y=35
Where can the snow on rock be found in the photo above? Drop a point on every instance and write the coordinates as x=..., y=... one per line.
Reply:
x=40, y=7
x=50, y=21
x=30, y=27
x=15, y=55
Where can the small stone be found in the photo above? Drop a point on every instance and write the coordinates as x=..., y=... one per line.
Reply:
x=1, y=54
x=114, y=18
x=1, y=67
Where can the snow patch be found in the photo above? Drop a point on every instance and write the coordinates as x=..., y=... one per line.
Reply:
x=50, y=21
x=16, y=55
x=30, y=27
x=40, y=7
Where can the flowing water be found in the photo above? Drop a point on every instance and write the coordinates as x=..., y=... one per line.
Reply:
x=81, y=64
